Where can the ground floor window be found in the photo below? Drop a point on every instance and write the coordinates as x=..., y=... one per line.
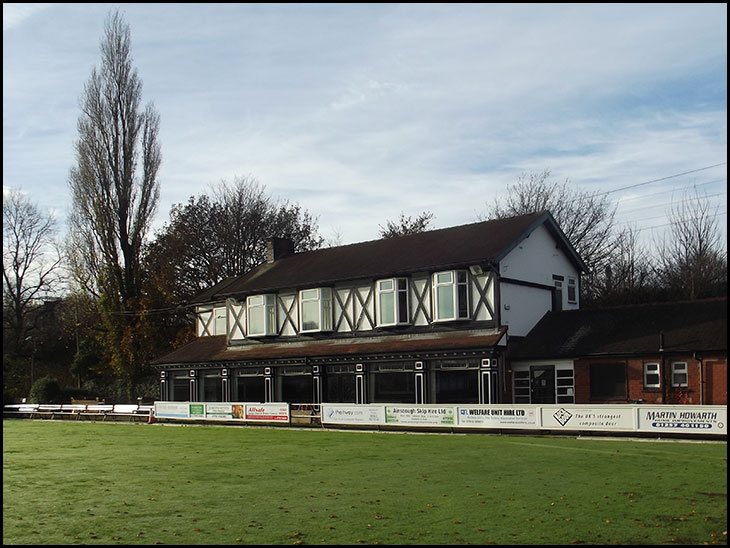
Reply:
x=392, y=383
x=294, y=384
x=565, y=390
x=679, y=374
x=454, y=381
x=652, y=376
x=211, y=386
x=340, y=384
x=249, y=385
x=178, y=386
x=608, y=380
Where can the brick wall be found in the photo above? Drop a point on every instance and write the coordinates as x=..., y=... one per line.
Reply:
x=714, y=377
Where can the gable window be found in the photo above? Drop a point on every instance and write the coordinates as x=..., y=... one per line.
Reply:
x=315, y=309
x=451, y=295
x=392, y=301
x=679, y=374
x=557, y=293
x=651, y=375
x=572, y=290
x=261, y=315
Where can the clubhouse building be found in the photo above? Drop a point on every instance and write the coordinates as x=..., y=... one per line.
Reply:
x=476, y=314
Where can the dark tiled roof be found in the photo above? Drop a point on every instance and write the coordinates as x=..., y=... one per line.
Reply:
x=686, y=327
x=214, y=349
x=478, y=243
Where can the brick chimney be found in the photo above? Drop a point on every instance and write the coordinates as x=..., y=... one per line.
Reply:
x=278, y=248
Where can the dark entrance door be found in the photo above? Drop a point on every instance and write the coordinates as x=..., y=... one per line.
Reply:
x=542, y=384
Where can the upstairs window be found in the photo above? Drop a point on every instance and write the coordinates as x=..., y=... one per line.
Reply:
x=392, y=301
x=261, y=315
x=220, y=321
x=451, y=296
x=572, y=290
x=315, y=310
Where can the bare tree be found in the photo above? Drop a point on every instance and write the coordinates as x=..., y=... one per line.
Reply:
x=114, y=187
x=31, y=262
x=586, y=218
x=406, y=225
x=693, y=263
x=628, y=277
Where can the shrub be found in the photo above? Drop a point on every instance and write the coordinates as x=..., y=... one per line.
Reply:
x=46, y=390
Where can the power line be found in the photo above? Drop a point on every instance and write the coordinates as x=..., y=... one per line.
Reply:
x=672, y=203
x=685, y=188
x=660, y=179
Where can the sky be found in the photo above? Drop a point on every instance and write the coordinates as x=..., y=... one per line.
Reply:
x=361, y=112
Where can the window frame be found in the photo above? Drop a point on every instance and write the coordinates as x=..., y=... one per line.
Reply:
x=647, y=372
x=220, y=320
x=572, y=290
x=267, y=307
x=456, y=295
x=684, y=370
x=400, y=301
x=324, y=309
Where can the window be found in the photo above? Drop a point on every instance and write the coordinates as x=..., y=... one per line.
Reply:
x=565, y=386
x=249, y=385
x=454, y=381
x=608, y=380
x=261, y=315
x=651, y=375
x=392, y=383
x=220, y=321
x=558, y=293
x=211, y=386
x=451, y=295
x=294, y=384
x=178, y=386
x=393, y=301
x=315, y=310
x=572, y=290
x=521, y=386
x=679, y=374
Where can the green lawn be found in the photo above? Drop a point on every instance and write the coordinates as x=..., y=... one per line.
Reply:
x=93, y=483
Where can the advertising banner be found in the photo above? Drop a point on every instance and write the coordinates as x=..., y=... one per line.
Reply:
x=172, y=410
x=353, y=414
x=683, y=419
x=267, y=412
x=197, y=410
x=609, y=417
x=219, y=411
x=413, y=415
x=495, y=416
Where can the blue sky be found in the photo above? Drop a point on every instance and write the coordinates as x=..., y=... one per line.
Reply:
x=360, y=112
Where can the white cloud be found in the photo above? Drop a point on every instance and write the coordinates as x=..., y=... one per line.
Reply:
x=360, y=112
x=15, y=14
